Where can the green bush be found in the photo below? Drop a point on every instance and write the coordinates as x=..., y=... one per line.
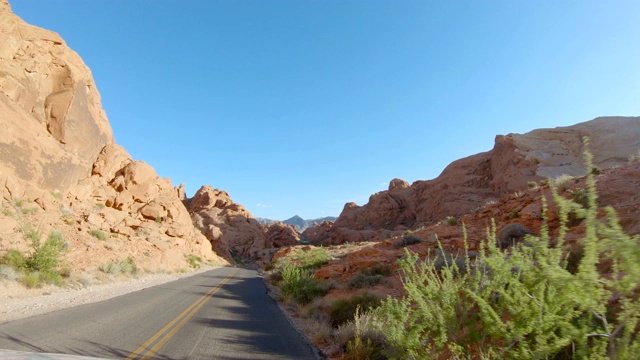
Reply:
x=194, y=261
x=526, y=304
x=452, y=220
x=298, y=284
x=306, y=260
x=15, y=259
x=125, y=267
x=46, y=257
x=43, y=265
x=343, y=310
x=363, y=280
x=98, y=234
x=378, y=269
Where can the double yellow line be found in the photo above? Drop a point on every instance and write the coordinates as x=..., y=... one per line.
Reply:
x=150, y=347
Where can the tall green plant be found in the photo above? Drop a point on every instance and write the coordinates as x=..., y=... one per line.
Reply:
x=525, y=304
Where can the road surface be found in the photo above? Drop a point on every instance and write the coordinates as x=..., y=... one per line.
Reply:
x=220, y=314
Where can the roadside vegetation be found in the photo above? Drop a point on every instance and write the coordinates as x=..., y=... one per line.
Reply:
x=42, y=265
x=549, y=296
x=532, y=301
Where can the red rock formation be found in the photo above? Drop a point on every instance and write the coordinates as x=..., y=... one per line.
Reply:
x=471, y=182
x=279, y=235
x=229, y=226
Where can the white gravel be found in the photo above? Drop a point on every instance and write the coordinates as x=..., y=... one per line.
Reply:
x=16, y=302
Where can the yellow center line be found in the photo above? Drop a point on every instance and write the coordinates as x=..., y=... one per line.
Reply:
x=182, y=318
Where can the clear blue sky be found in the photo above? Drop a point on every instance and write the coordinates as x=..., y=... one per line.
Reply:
x=297, y=107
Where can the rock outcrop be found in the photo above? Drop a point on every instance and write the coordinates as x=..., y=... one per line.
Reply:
x=53, y=125
x=279, y=235
x=229, y=226
x=61, y=170
x=471, y=182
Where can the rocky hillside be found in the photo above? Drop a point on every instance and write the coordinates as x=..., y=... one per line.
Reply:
x=298, y=222
x=60, y=169
x=233, y=231
x=471, y=182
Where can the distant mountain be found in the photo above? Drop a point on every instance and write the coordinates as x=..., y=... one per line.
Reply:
x=300, y=223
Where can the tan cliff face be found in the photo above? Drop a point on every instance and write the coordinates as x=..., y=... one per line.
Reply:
x=471, y=182
x=229, y=226
x=233, y=231
x=53, y=125
x=60, y=169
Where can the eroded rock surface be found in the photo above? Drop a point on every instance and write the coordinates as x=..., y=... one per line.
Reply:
x=60, y=169
x=471, y=182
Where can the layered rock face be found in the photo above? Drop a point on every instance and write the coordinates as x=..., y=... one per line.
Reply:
x=471, y=182
x=61, y=170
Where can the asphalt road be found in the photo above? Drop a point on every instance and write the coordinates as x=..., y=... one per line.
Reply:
x=220, y=314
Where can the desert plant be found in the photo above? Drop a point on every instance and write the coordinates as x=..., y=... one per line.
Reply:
x=46, y=257
x=98, y=234
x=532, y=184
x=125, y=267
x=14, y=258
x=511, y=234
x=8, y=272
x=525, y=304
x=193, y=261
x=306, y=260
x=298, y=284
x=407, y=240
x=363, y=280
x=452, y=220
x=361, y=338
x=343, y=310
x=378, y=269
x=42, y=265
x=562, y=182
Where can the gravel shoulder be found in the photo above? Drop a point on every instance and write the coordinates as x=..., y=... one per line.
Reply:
x=17, y=302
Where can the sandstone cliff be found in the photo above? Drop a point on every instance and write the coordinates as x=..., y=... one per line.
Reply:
x=233, y=231
x=60, y=168
x=469, y=183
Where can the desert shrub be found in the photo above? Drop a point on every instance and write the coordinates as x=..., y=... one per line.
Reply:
x=343, y=310
x=15, y=259
x=8, y=272
x=193, y=261
x=30, y=233
x=46, y=257
x=361, y=338
x=378, y=269
x=98, y=234
x=511, y=234
x=532, y=184
x=363, y=280
x=32, y=280
x=580, y=196
x=407, y=240
x=298, y=284
x=125, y=267
x=526, y=304
x=42, y=265
x=562, y=182
x=451, y=220
x=306, y=260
